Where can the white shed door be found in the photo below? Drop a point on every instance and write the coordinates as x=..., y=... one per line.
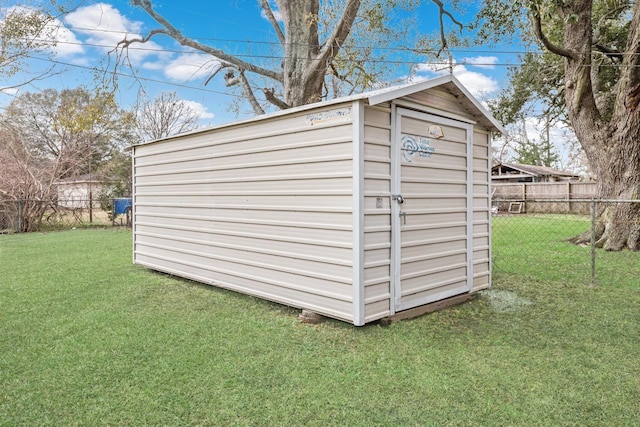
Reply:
x=432, y=208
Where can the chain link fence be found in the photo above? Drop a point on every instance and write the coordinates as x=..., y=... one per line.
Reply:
x=530, y=238
x=558, y=240
x=42, y=215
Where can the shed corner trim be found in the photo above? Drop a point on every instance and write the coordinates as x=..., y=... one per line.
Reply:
x=358, y=214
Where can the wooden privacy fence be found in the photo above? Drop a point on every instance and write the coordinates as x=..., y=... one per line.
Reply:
x=543, y=197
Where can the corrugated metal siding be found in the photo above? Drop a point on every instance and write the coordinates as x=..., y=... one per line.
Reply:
x=377, y=170
x=264, y=209
x=439, y=99
x=447, y=179
x=481, y=211
x=434, y=228
x=268, y=207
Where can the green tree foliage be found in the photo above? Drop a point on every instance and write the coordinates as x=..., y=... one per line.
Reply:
x=24, y=30
x=588, y=77
x=540, y=153
x=77, y=128
x=537, y=85
x=52, y=135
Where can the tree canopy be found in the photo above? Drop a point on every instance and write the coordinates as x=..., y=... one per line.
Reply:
x=323, y=49
x=588, y=76
x=76, y=128
x=24, y=30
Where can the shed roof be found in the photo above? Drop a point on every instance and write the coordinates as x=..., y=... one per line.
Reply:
x=447, y=82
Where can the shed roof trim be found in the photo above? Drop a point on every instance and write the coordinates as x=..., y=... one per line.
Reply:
x=386, y=95
x=374, y=98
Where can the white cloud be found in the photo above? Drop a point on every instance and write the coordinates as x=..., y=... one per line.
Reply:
x=10, y=90
x=200, y=109
x=153, y=66
x=488, y=62
x=536, y=129
x=63, y=42
x=101, y=21
x=191, y=66
x=480, y=85
x=103, y=26
x=66, y=43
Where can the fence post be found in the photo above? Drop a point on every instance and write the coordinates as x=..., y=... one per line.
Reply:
x=20, y=208
x=593, y=242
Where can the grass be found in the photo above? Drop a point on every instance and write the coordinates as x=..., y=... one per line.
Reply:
x=87, y=338
x=536, y=247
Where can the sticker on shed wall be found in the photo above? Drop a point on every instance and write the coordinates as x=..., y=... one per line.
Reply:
x=413, y=145
x=435, y=131
x=329, y=115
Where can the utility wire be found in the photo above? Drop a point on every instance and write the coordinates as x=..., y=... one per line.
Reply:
x=368, y=60
x=132, y=76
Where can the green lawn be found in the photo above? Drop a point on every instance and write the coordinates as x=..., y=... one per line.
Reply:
x=87, y=338
x=536, y=247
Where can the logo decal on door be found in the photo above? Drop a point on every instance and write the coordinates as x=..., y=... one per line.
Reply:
x=412, y=145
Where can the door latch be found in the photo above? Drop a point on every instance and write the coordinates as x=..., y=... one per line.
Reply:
x=398, y=198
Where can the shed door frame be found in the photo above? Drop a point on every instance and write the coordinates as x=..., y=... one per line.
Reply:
x=396, y=244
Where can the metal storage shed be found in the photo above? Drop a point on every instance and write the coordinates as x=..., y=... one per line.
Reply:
x=355, y=208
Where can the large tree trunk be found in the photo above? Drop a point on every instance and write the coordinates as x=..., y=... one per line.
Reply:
x=306, y=59
x=612, y=145
x=618, y=224
x=303, y=75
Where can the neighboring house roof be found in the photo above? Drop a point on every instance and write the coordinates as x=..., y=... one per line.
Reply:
x=512, y=170
x=78, y=179
x=447, y=82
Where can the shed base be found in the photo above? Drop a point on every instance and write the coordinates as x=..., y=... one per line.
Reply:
x=308, y=316
x=427, y=308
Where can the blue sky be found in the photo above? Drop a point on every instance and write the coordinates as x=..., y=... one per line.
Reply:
x=85, y=36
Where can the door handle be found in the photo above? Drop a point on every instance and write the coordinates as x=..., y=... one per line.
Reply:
x=398, y=198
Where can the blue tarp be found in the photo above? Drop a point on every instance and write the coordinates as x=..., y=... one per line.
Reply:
x=120, y=205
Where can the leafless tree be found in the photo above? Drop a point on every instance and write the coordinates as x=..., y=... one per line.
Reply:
x=27, y=183
x=165, y=115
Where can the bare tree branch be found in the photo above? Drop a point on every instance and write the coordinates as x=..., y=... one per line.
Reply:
x=444, y=44
x=537, y=28
x=270, y=96
x=177, y=35
x=43, y=75
x=164, y=116
x=272, y=19
x=249, y=93
x=333, y=44
x=442, y=12
x=221, y=67
x=335, y=73
x=445, y=12
x=613, y=54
